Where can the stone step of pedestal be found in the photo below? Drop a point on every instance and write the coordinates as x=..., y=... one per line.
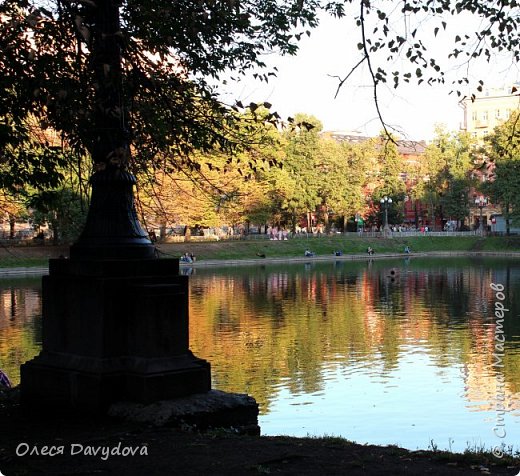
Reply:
x=213, y=409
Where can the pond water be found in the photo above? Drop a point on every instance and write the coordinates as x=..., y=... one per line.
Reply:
x=408, y=352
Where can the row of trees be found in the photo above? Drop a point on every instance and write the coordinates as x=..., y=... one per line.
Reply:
x=502, y=150
x=294, y=172
x=333, y=181
x=297, y=173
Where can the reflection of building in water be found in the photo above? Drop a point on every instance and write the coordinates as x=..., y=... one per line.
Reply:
x=373, y=321
x=399, y=304
x=277, y=283
x=20, y=304
x=487, y=383
x=484, y=388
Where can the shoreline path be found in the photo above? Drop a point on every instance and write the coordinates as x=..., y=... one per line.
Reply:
x=41, y=270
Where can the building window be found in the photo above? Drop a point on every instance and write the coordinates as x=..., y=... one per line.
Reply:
x=474, y=116
x=485, y=116
x=508, y=113
x=497, y=113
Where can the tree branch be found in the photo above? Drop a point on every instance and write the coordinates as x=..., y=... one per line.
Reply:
x=342, y=81
x=375, y=81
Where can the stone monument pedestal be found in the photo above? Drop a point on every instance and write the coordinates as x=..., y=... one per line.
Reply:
x=113, y=330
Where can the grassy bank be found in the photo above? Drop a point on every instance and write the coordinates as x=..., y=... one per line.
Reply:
x=248, y=249
x=31, y=256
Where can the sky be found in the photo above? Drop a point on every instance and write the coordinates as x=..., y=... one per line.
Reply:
x=305, y=83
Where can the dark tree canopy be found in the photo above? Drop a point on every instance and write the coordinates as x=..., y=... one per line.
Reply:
x=106, y=74
x=110, y=74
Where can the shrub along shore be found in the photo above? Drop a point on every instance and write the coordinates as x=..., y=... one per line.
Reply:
x=260, y=249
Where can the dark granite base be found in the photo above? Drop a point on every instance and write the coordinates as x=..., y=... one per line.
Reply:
x=68, y=383
x=113, y=330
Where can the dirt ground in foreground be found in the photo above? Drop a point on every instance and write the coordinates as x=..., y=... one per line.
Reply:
x=68, y=446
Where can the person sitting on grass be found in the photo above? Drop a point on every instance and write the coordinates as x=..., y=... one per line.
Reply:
x=338, y=253
x=370, y=251
x=407, y=250
x=309, y=253
x=186, y=258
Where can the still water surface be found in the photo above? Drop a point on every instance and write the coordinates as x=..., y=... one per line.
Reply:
x=405, y=352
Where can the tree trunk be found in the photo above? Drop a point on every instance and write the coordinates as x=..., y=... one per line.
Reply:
x=326, y=222
x=12, y=224
x=433, y=215
x=55, y=232
x=187, y=233
x=162, y=231
x=508, y=226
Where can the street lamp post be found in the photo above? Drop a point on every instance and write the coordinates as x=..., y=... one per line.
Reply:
x=481, y=202
x=386, y=202
x=115, y=318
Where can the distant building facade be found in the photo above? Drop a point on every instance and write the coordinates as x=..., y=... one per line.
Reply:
x=485, y=111
x=482, y=113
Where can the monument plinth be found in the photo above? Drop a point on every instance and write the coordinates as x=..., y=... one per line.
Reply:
x=113, y=330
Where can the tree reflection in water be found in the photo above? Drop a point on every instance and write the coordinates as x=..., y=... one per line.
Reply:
x=293, y=335
x=20, y=324
x=378, y=351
